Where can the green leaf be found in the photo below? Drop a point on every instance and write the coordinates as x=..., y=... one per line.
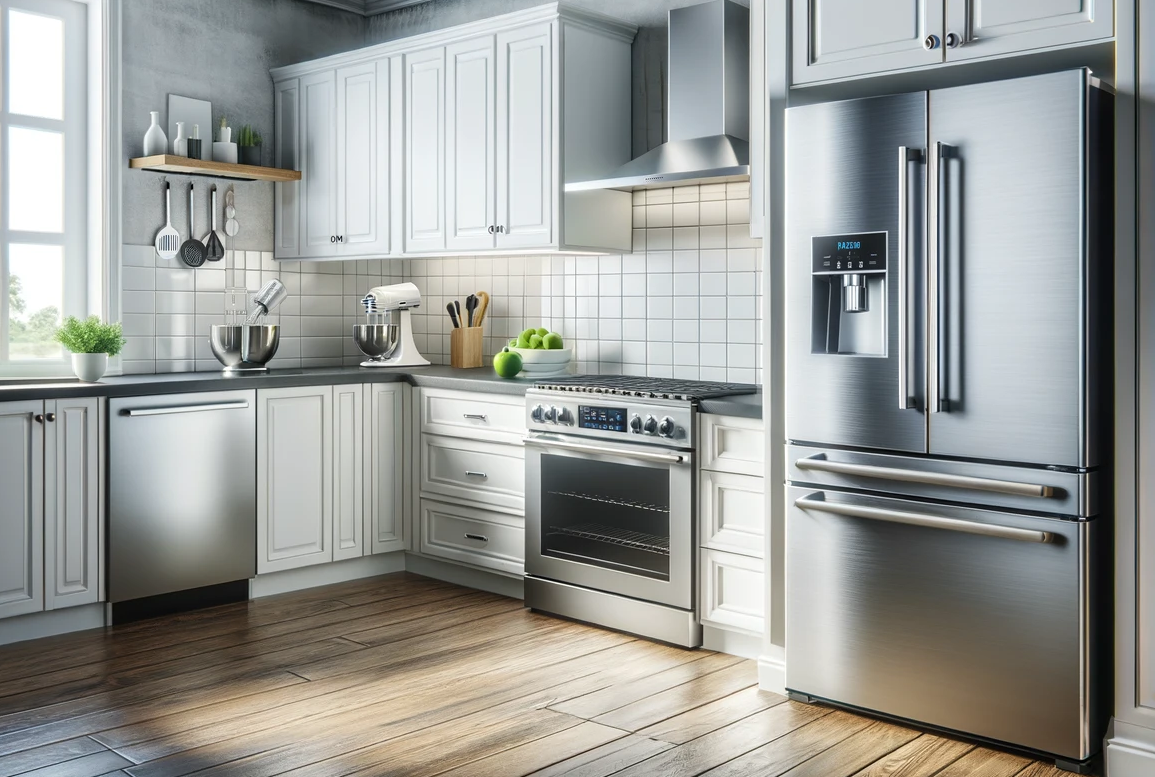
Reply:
x=90, y=336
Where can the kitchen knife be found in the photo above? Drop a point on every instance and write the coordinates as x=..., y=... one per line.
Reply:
x=449, y=307
x=470, y=306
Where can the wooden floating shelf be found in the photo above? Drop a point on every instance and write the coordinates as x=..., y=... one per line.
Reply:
x=181, y=165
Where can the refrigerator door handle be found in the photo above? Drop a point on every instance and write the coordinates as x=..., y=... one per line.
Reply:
x=1010, y=487
x=922, y=519
x=933, y=298
x=906, y=155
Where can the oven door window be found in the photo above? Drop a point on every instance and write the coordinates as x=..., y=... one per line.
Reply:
x=606, y=514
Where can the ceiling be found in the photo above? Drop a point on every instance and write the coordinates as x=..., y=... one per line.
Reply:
x=369, y=7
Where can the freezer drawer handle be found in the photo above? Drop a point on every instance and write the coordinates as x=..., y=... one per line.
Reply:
x=143, y=411
x=929, y=478
x=666, y=458
x=920, y=519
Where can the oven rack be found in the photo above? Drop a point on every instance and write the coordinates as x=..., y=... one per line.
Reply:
x=650, y=543
x=615, y=502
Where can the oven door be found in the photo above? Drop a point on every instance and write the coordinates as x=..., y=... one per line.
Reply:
x=611, y=517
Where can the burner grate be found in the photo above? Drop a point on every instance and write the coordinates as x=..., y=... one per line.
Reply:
x=647, y=388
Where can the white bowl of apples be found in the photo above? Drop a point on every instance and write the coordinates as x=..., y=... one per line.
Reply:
x=543, y=353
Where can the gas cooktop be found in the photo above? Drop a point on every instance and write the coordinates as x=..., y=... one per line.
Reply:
x=646, y=388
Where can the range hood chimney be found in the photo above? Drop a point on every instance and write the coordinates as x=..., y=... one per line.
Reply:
x=709, y=104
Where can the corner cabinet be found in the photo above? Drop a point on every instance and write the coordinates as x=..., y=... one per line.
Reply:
x=841, y=39
x=463, y=144
x=50, y=505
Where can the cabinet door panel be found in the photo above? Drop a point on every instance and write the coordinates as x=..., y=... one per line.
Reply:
x=525, y=130
x=348, y=464
x=385, y=526
x=845, y=38
x=469, y=144
x=21, y=508
x=294, y=477
x=425, y=151
x=318, y=165
x=993, y=27
x=72, y=504
x=287, y=156
x=362, y=159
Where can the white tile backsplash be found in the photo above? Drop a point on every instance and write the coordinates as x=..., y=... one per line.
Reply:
x=686, y=303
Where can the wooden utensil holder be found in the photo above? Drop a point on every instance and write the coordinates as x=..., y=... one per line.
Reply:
x=465, y=347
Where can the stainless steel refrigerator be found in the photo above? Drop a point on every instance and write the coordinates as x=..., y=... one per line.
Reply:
x=947, y=264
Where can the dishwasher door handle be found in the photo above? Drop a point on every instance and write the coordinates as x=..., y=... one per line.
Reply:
x=1011, y=487
x=145, y=411
x=923, y=519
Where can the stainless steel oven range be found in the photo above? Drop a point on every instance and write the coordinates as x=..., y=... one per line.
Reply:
x=610, y=518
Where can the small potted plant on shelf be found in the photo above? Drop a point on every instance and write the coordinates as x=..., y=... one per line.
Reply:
x=91, y=343
x=249, y=141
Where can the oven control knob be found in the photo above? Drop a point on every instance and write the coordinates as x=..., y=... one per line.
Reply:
x=538, y=414
x=564, y=417
x=667, y=427
x=551, y=415
x=636, y=424
x=651, y=425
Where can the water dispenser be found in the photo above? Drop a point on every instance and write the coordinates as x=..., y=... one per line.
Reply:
x=849, y=303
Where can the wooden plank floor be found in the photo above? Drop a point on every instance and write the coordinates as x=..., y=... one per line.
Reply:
x=402, y=675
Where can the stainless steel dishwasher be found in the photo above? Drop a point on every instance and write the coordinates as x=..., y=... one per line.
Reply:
x=182, y=510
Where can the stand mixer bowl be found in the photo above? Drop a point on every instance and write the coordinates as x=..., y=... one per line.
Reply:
x=244, y=347
x=377, y=341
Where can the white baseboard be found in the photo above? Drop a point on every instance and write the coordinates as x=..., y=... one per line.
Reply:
x=325, y=574
x=772, y=671
x=49, y=624
x=1130, y=752
x=493, y=582
x=735, y=643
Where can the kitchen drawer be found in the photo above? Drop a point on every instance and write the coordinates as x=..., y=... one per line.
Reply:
x=732, y=591
x=731, y=444
x=472, y=536
x=732, y=509
x=486, y=472
x=473, y=415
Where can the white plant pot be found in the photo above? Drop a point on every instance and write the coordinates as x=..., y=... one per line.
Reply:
x=225, y=152
x=89, y=367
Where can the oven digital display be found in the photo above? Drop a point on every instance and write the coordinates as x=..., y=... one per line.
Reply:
x=611, y=419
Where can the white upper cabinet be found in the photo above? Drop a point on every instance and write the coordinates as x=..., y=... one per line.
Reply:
x=470, y=108
x=985, y=28
x=425, y=151
x=525, y=138
x=460, y=141
x=836, y=39
x=840, y=39
x=21, y=508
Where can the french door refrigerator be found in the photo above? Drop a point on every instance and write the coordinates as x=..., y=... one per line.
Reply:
x=947, y=257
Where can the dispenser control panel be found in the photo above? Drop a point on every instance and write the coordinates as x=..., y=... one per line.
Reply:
x=864, y=252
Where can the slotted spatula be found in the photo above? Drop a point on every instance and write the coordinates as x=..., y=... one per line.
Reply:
x=168, y=239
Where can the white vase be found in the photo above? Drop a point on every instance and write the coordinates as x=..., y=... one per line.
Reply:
x=155, y=141
x=226, y=135
x=225, y=152
x=180, y=142
x=89, y=367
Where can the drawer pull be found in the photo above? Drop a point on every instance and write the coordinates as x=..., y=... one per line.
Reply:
x=472, y=474
x=476, y=417
x=478, y=537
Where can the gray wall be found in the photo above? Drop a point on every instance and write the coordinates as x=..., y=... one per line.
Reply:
x=221, y=51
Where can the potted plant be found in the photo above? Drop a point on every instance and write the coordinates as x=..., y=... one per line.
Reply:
x=91, y=343
x=249, y=141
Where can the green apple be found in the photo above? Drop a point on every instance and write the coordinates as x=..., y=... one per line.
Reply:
x=507, y=363
x=552, y=341
x=542, y=331
x=522, y=341
x=535, y=342
x=527, y=334
x=513, y=343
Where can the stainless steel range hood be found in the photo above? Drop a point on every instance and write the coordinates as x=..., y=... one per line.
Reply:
x=709, y=104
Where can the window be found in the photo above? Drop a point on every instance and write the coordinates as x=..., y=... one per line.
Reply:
x=43, y=178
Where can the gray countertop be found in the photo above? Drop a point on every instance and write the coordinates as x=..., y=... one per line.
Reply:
x=436, y=376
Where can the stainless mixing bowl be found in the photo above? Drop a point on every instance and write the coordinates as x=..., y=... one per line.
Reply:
x=244, y=347
x=377, y=341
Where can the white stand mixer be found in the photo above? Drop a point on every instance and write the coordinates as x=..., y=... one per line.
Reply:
x=387, y=336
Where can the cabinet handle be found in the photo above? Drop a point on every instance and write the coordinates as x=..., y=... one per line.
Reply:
x=38, y=418
x=478, y=537
x=501, y=230
x=472, y=474
x=332, y=238
x=50, y=417
x=340, y=238
x=930, y=42
x=476, y=417
x=492, y=229
x=953, y=40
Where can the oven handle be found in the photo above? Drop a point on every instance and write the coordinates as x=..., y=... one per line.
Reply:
x=664, y=458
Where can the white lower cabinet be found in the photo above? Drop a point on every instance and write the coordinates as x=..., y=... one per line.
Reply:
x=348, y=472
x=474, y=471
x=732, y=591
x=49, y=505
x=384, y=453
x=732, y=512
x=473, y=536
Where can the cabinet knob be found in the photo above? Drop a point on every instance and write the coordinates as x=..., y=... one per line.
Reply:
x=930, y=42
x=492, y=229
x=340, y=238
x=332, y=238
x=38, y=418
x=50, y=417
x=953, y=40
